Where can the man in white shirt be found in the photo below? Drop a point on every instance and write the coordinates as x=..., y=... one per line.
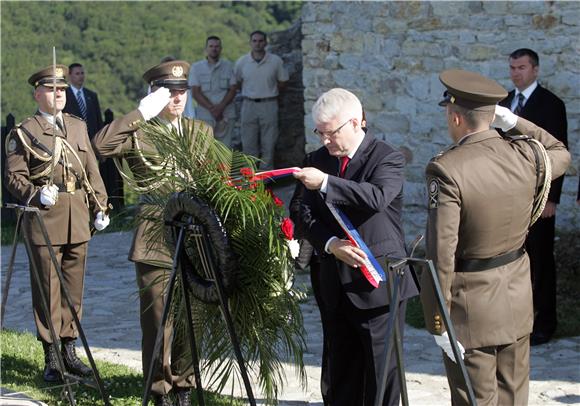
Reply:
x=213, y=87
x=260, y=75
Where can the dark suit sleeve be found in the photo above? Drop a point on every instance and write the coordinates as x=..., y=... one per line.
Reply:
x=296, y=204
x=98, y=113
x=374, y=194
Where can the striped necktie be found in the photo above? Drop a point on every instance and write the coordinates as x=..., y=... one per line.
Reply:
x=520, y=106
x=82, y=105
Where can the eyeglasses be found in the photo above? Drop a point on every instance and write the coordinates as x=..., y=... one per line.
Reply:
x=330, y=134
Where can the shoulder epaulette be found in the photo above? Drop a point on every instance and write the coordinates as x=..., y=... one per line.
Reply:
x=20, y=124
x=517, y=137
x=441, y=153
x=72, y=116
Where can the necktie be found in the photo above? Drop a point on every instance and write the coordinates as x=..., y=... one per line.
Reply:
x=82, y=105
x=60, y=125
x=520, y=106
x=343, y=164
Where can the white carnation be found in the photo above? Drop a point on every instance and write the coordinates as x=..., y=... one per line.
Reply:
x=294, y=247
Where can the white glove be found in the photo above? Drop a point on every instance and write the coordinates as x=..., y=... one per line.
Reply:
x=49, y=195
x=101, y=221
x=152, y=104
x=504, y=118
x=443, y=342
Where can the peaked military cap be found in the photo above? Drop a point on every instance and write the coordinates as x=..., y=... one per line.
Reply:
x=171, y=74
x=45, y=76
x=470, y=90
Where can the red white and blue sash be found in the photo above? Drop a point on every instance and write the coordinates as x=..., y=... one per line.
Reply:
x=371, y=269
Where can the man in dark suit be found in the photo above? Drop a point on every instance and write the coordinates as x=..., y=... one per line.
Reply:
x=363, y=177
x=84, y=103
x=537, y=104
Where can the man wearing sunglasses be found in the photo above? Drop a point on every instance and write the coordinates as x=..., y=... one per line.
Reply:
x=363, y=177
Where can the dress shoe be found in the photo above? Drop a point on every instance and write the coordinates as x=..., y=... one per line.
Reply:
x=183, y=396
x=72, y=363
x=51, y=373
x=538, y=338
x=162, y=400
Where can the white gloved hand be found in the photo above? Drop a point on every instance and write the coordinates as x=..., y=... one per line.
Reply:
x=443, y=342
x=504, y=118
x=101, y=221
x=152, y=104
x=49, y=195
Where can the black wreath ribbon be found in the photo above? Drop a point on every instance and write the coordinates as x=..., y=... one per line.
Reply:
x=181, y=207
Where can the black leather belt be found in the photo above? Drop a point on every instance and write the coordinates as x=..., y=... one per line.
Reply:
x=477, y=265
x=263, y=99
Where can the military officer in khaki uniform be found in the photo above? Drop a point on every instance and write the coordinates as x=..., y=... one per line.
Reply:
x=70, y=196
x=482, y=192
x=123, y=139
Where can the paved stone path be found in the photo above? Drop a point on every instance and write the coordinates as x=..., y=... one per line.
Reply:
x=111, y=324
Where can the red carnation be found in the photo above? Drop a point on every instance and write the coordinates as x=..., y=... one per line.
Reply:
x=247, y=172
x=287, y=227
x=277, y=201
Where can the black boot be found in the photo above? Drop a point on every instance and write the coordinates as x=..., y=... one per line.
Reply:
x=162, y=400
x=183, y=396
x=51, y=373
x=72, y=363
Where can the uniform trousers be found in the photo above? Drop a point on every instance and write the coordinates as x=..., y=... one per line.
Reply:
x=176, y=370
x=223, y=130
x=500, y=375
x=540, y=248
x=260, y=130
x=72, y=259
x=354, y=346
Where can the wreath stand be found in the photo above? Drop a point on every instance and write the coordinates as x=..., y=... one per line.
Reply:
x=396, y=271
x=189, y=219
x=68, y=379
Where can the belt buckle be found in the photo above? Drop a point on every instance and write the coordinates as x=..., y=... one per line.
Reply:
x=71, y=186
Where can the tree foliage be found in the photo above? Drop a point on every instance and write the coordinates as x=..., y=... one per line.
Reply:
x=118, y=41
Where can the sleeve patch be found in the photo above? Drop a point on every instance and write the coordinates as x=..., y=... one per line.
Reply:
x=11, y=145
x=433, y=193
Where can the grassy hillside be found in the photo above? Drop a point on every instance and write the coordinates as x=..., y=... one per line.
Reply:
x=118, y=41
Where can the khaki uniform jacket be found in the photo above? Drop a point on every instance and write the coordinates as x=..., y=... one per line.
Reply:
x=480, y=202
x=121, y=139
x=67, y=222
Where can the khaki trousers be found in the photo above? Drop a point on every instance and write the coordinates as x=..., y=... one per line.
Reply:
x=72, y=259
x=260, y=130
x=500, y=375
x=176, y=369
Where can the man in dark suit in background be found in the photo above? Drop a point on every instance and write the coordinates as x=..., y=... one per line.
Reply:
x=84, y=103
x=537, y=104
x=363, y=177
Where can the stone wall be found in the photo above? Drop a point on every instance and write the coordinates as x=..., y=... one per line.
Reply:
x=390, y=55
x=290, y=145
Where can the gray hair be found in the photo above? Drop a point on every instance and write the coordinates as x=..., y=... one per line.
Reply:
x=336, y=103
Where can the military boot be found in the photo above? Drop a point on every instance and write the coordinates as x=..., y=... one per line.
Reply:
x=162, y=400
x=51, y=372
x=183, y=396
x=72, y=363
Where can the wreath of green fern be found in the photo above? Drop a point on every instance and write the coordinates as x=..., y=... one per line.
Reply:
x=264, y=306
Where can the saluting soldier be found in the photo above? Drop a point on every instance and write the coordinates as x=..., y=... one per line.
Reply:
x=69, y=195
x=483, y=194
x=124, y=139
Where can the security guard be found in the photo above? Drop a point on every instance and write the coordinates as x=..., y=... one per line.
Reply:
x=124, y=139
x=484, y=192
x=50, y=165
